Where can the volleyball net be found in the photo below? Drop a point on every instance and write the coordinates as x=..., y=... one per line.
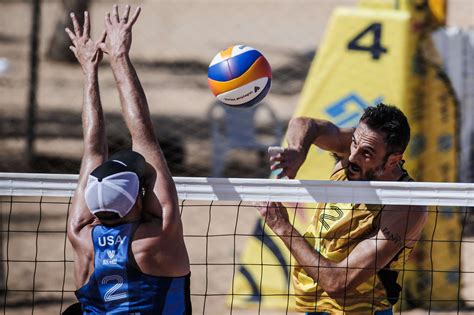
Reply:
x=238, y=266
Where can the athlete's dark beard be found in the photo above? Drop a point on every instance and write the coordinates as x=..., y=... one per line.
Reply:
x=369, y=175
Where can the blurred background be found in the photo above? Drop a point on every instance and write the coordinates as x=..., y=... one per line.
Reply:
x=174, y=41
x=173, y=44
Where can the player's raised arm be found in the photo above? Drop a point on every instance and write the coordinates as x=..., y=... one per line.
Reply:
x=89, y=56
x=163, y=202
x=301, y=134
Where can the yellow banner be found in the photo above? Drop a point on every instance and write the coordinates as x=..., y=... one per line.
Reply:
x=363, y=60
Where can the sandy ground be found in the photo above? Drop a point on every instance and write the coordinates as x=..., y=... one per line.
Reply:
x=174, y=41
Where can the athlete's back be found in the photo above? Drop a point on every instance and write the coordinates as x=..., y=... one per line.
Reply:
x=118, y=286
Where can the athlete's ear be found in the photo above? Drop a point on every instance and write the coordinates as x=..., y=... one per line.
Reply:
x=394, y=160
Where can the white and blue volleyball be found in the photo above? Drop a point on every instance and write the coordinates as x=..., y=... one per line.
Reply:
x=239, y=76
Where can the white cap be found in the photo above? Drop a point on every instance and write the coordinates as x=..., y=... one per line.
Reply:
x=115, y=193
x=114, y=185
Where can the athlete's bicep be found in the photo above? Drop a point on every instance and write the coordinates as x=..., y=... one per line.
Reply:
x=334, y=139
x=368, y=257
x=396, y=231
x=79, y=215
x=161, y=198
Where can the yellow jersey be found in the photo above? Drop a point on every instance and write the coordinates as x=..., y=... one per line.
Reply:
x=335, y=230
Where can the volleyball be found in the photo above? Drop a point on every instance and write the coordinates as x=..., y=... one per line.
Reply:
x=240, y=76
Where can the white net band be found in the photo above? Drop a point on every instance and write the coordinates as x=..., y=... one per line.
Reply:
x=236, y=189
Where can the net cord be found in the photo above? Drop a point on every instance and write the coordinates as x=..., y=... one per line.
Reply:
x=239, y=189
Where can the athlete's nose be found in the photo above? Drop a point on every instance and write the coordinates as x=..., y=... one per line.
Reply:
x=354, y=157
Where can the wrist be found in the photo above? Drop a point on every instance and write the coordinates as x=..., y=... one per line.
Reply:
x=300, y=148
x=284, y=229
x=91, y=72
x=119, y=58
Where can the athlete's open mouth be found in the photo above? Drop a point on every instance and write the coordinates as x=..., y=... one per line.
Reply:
x=354, y=168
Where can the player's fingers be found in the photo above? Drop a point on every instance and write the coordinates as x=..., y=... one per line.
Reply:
x=273, y=206
x=107, y=19
x=261, y=208
x=77, y=28
x=134, y=17
x=115, y=16
x=71, y=34
x=103, y=47
x=273, y=150
x=86, y=24
x=283, y=175
x=97, y=56
x=73, y=49
x=126, y=14
x=276, y=166
x=277, y=158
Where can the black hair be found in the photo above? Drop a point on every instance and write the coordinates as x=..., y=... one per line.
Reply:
x=74, y=309
x=133, y=160
x=392, y=122
x=107, y=215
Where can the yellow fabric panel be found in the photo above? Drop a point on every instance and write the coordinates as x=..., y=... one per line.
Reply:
x=434, y=13
x=385, y=4
x=435, y=147
x=275, y=285
x=438, y=10
x=342, y=82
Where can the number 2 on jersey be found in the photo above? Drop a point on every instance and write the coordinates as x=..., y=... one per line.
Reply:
x=110, y=294
x=325, y=217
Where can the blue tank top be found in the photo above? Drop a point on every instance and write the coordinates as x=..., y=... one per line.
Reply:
x=117, y=287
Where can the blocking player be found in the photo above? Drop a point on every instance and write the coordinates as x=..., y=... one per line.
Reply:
x=125, y=226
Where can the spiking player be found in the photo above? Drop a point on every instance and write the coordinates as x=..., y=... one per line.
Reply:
x=349, y=256
x=125, y=226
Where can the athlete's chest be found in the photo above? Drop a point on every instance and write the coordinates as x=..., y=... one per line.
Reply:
x=338, y=219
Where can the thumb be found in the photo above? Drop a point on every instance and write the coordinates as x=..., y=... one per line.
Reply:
x=103, y=47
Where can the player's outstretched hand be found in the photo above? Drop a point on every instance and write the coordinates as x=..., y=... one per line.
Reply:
x=84, y=48
x=275, y=216
x=286, y=159
x=119, y=32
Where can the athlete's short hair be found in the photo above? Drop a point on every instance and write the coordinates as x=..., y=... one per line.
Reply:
x=392, y=123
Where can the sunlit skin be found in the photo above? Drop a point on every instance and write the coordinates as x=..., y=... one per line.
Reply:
x=368, y=158
x=158, y=246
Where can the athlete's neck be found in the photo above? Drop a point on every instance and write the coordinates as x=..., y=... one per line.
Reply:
x=133, y=216
x=392, y=175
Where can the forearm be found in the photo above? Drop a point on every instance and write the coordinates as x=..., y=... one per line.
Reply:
x=92, y=116
x=302, y=132
x=138, y=120
x=133, y=99
x=326, y=273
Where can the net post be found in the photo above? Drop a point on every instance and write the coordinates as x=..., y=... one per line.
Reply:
x=2, y=259
x=33, y=81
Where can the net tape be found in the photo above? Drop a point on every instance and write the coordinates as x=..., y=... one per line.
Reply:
x=238, y=189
